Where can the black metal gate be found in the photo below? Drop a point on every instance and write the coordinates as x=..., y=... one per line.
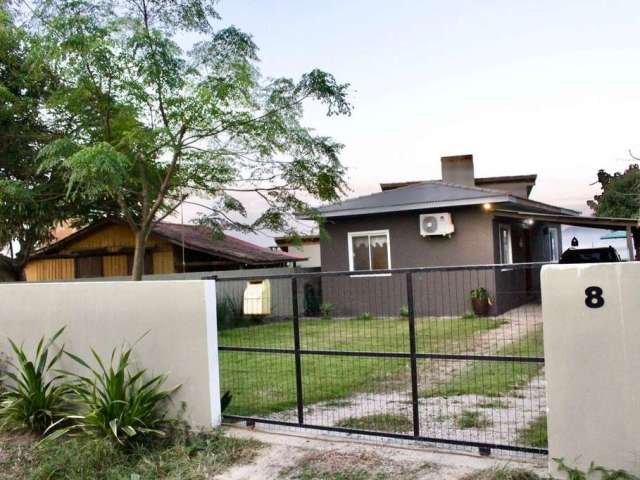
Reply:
x=396, y=353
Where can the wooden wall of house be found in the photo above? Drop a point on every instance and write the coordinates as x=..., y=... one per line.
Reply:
x=50, y=269
x=106, y=242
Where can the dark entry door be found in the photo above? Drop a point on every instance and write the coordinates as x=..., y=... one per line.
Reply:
x=88, y=267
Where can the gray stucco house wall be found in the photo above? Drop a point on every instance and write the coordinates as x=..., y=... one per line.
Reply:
x=474, y=242
x=491, y=229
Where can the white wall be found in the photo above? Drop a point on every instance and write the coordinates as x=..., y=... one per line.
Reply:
x=180, y=317
x=309, y=250
x=592, y=364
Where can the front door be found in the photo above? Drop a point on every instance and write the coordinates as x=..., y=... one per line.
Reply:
x=88, y=267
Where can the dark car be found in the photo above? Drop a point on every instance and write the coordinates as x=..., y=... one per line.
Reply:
x=590, y=255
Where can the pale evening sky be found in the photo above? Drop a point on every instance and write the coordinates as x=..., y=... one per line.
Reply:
x=540, y=87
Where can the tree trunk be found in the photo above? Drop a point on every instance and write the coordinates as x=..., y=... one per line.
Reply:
x=138, y=256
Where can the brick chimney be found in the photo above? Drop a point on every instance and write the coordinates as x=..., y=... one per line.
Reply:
x=458, y=169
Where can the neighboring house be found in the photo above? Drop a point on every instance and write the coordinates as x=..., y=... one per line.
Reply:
x=105, y=249
x=484, y=221
x=308, y=246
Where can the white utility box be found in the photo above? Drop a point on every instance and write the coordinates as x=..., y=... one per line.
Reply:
x=257, y=298
x=591, y=318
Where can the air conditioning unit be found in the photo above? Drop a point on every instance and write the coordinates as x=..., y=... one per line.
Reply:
x=436, y=224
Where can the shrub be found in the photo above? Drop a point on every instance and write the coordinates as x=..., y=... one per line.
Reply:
x=311, y=300
x=404, y=311
x=116, y=402
x=3, y=371
x=229, y=313
x=33, y=398
x=365, y=316
x=326, y=309
x=603, y=473
x=480, y=293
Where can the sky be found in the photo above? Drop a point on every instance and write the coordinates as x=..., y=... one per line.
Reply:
x=542, y=87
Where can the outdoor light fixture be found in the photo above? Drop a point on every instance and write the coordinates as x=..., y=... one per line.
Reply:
x=486, y=206
x=529, y=221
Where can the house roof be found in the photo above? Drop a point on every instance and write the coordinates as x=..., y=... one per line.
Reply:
x=430, y=195
x=198, y=237
x=194, y=237
x=303, y=239
x=609, y=223
x=478, y=181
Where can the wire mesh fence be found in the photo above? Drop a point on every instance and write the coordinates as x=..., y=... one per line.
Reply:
x=448, y=355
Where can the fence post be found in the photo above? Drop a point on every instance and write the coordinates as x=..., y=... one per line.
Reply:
x=414, y=362
x=296, y=346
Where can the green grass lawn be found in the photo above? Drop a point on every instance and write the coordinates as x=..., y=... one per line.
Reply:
x=198, y=455
x=535, y=434
x=495, y=379
x=382, y=422
x=263, y=383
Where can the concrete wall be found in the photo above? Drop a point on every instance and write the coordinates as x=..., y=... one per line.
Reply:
x=448, y=293
x=592, y=364
x=472, y=242
x=309, y=250
x=180, y=318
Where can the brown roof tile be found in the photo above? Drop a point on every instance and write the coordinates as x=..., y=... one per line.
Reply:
x=479, y=181
x=195, y=237
x=198, y=237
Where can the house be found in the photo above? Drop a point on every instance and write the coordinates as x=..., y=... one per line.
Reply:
x=307, y=246
x=458, y=220
x=105, y=249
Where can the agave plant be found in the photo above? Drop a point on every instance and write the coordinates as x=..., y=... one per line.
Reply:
x=117, y=401
x=34, y=397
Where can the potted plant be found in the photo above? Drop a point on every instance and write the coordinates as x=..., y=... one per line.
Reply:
x=480, y=301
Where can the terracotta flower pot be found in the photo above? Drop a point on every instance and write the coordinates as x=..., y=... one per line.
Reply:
x=480, y=306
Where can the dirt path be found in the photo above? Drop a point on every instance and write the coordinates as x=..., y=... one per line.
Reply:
x=519, y=323
x=289, y=456
x=503, y=418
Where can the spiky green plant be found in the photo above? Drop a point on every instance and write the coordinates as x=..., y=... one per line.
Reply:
x=33, y=398
x=118, y=401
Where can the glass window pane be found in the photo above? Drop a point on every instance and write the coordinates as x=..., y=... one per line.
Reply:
x=505, y=241
x=360, y=247
x=379, y=252
x=553, y=244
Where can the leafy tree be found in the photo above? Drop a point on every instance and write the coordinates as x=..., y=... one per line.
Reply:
x=31, y=201
x=620, y=197
x=149, y=125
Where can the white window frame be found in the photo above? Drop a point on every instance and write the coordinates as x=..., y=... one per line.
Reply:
x=369, y=233
x=501, y=253
x=553, y=232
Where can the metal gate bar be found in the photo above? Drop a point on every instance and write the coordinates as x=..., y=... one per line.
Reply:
x=413, y=355
x=400, y=436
